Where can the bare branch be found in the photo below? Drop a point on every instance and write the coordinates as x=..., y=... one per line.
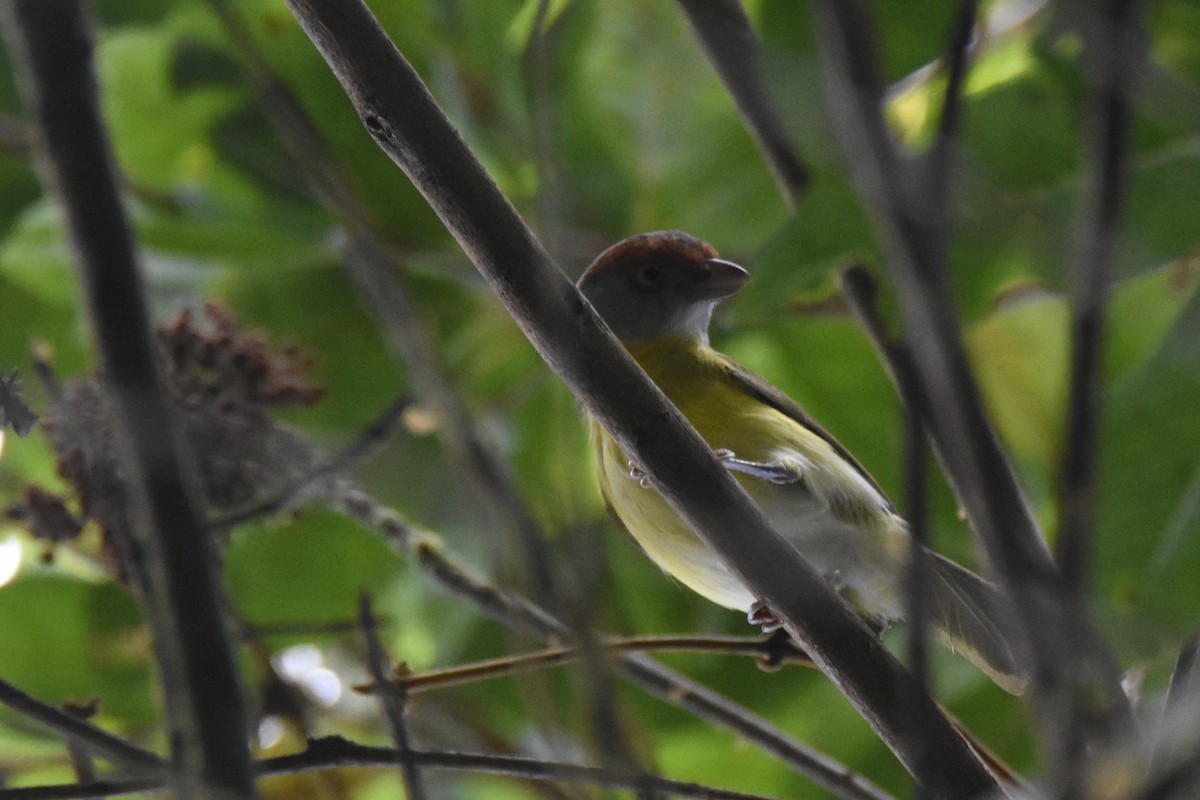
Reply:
x=203, y=694
x=763, y=648
x=333, y=752
x=1114, y=54
x=81, y=732
x=393, y=702
x=942, y=154
x=732, y=48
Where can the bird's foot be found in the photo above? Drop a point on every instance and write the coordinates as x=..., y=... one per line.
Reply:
x=774, y=473
x=640, y=475
x=764, y=616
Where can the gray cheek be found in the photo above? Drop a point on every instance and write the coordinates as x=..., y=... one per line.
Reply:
x=631, y=319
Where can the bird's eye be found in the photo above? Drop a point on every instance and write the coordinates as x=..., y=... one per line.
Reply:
x=649, y=275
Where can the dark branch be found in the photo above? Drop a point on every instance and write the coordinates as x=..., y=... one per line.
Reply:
x=732, y=48
x=81, y=732
x=1114, y=53
x=1113, y=57
x=394, y=702
x=203, y=694
x=334, y=752
x=942, y=154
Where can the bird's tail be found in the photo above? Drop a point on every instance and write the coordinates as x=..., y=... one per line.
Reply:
x=969, y=613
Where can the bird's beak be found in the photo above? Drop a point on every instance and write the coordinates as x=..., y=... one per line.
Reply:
x=718, y=278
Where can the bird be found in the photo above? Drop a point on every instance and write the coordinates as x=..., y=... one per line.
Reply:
x=656, y=292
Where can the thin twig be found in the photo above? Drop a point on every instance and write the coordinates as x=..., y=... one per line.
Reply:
x=372, y=268
x=1113, y=53
x=355, y=452
x=1182, y=697
x=919, y=571
x=99, y=742
x=942, y=154
x=203, y=695
x=394, y=702
x=1182, y=677
x=732, y=48
x=407, y=124
x=80, y=756
x=334, y=752
x=756, y=646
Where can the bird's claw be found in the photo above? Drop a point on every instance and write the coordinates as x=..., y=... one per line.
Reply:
x=764, y=617
x=640, y=475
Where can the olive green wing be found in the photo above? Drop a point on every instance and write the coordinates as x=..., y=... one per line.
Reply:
x=764, y=392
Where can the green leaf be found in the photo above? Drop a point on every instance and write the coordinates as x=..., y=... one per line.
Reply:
x=69, y=639
x=314, y=570
x=1020, y=353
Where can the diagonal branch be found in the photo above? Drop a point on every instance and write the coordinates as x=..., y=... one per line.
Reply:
x=731, y=46
x=203, y=695
x=373, y=267
x=81, y=732
x=398, y=111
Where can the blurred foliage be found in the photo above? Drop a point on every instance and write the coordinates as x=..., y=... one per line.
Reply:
x=618, y=126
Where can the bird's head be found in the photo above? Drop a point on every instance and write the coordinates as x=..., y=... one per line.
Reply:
x=659, y=284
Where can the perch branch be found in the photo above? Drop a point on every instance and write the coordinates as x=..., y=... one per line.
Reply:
x=335, y=752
